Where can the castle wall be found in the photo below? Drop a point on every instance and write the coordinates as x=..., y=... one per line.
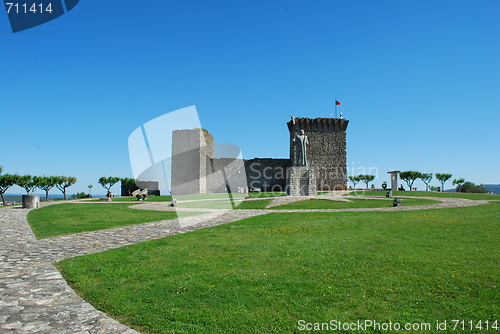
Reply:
x=195, y=170
x=225, y=174
x=267, y=174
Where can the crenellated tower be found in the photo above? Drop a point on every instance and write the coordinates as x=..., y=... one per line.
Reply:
x=326, y=151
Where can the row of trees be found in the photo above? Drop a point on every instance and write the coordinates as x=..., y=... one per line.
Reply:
x=411, y=176
x=361, y=178
x=30, y=183
x=107, y=182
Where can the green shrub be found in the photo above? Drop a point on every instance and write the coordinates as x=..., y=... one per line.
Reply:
x=80, y=195
x=469, y=187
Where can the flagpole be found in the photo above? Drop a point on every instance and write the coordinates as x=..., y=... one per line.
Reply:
x=335, y=108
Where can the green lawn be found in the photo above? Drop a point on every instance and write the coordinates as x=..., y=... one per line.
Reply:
x=264, y=274
x=358, y=203
x=307, y=204
x=69, y=218
x=426, y=194
x=150, y=199
x=239, y=204
x=267, y=194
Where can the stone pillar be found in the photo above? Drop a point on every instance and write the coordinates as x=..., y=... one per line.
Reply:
x=31, y=201
x=301, y=181
x=394, y=179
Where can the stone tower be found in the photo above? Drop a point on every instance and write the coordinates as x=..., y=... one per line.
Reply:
x=200, y=166
x=326, y=151
x=191, y=153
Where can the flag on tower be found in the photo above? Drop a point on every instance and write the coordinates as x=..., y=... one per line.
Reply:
x=338, y=103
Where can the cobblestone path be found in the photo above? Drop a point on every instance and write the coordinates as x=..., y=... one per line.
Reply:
x=34, y=297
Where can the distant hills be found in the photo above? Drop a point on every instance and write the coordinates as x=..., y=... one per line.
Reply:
x=494, y=187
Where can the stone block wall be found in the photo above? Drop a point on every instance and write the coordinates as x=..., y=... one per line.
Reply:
x=225, y=175
x=326, y=151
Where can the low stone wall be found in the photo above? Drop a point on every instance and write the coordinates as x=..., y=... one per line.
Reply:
x=153, y=188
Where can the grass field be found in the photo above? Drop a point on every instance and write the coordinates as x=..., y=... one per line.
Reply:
x=267, y=194
x=357, y=203
x=307, y=204
x=150, y=199
x=69, y=218
x=264, y=274
x=220, y=204
x=476, y=197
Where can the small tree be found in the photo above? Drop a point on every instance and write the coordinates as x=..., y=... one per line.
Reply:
x=409, y=177
x=354, y=179
x=64, y=182
x=7, y=181
x=366, y=178
x=426, y=178
x=108, y=182
x=90, y=187
x=458, y=182
x=28, y=182
x=46, y=183
x=443, y=177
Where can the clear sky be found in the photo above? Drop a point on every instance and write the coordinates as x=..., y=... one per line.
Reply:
x=418, y=80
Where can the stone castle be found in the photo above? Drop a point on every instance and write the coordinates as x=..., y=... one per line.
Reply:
x=200, y=166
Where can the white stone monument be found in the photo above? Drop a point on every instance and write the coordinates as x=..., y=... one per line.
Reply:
x=394, y=179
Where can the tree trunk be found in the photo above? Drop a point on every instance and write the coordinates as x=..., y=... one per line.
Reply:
x=64, y=193
x=46, y=195
x=3, y=199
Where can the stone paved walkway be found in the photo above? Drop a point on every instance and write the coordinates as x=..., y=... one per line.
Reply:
x=34, y=298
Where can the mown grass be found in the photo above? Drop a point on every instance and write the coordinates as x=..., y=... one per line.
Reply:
x=267, y=194
x=356, y=203
x=264, y=274
x=69, y=218
x=199, y=197
x=220, y=204
x=150, y=199
x=476, y=197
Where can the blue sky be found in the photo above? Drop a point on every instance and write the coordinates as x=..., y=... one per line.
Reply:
x=418, y=80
